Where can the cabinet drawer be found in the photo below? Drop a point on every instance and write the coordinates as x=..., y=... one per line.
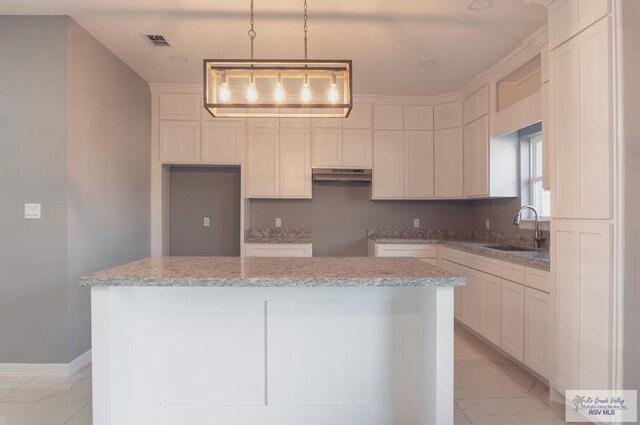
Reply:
x=537, y=279
x=278, y=250
x=451, y=267
x=484, y=264
x=513, y=272
x=432, y=261
x=450, y=254
x=407, y=250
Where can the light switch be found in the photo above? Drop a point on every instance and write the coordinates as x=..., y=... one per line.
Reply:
x=416, y=222
x=32, y=211
x=206, y=222
x=278, y=222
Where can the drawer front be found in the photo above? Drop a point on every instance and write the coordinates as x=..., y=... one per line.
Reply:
x=484, y=264
x=407, y=250
x=513, y=272
x=278, y=250
x=452, y=255
x=538, y=279
x=432, y=261
x=451, y=267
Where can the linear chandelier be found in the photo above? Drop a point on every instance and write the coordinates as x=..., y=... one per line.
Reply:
x=278, y=87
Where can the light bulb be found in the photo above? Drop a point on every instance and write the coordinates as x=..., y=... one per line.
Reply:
x=252, y=93
x=279, y=93
x=334, y=96
x=306, y=91
x=225, y=93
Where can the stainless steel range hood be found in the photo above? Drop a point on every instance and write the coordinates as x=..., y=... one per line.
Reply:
x=341, y=175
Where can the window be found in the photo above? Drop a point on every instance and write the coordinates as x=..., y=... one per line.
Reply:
x=538, y=197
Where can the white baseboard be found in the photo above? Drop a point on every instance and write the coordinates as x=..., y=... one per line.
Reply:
x=46, y=369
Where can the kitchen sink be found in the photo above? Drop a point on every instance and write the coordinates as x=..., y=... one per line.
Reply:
x=510, y=248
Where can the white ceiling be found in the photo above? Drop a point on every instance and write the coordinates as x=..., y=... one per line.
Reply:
x=385, y=38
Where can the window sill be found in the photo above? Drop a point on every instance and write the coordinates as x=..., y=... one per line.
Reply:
x=529, y=224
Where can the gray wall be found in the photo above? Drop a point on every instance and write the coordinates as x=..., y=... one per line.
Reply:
x=631, y=84
x=198, y=192
x=339, y=215
x=74, y=136
x=33, y=168
x=108, y=167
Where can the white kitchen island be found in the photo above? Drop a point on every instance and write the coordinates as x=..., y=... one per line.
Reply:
x=272, y=341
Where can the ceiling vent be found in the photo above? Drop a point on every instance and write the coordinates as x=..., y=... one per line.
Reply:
x=157, y=40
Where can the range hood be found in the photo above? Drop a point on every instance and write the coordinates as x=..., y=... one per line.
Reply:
x=341, y=175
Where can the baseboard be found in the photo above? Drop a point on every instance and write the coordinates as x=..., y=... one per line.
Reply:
x=46, y=369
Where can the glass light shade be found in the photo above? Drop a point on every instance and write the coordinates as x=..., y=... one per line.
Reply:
x=259, y=88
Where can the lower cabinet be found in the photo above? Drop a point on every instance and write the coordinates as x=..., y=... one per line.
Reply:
x=426, y=252
x=537, y=332
x=490, y=309
x=471, y=299
x=278, y=250
x=512, y=340
x=458, y=291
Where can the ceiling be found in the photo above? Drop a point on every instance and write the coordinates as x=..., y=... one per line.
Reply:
x=386, y=39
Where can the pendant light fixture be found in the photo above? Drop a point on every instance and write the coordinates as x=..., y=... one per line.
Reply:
x=278, y=87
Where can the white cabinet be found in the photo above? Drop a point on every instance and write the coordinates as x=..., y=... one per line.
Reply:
x=471, y=299
x=476, y=158
x=568, y=17
x=512, y=338
x=490, y=307
x=342, y=148
x=418, y=117
x=361, y=116
x=222, y=142
x=388, y=117
x=537, y=348
x=547, y=140
x=263, y=162
x=357, y=148
x=476, y=105
x=424, y=251
x=418, y=164
x=278, y=250
x=295, y=122
x=583, y=286
x=180, y=106
x=458, y=290
x=544, y=63
x=582, y=135
x=388, y=164
x=448, y=115
x=327, y=147
x=448, y=165
x=295, y=163
x=180, y=142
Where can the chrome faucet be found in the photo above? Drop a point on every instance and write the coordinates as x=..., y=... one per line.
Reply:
x=537, y=237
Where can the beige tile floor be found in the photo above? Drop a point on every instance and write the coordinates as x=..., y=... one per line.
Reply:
x=490, y=389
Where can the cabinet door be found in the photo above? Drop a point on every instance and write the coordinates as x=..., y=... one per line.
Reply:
x=327, y=147
x=582, y=286
x=418, y=117
x=361, y=116
x=418, y=164
x=458, y=291
x=491, y=307
x=471, y=299
x=180, y=106
x=388, y=117
x=296, y=122
x=264, y=122
x=325, y=122
x=568, y=17
x=180, y=142
x=222, y=142
x=295, y=163
x=476, y=105
x=388, y=167
x=263, y=163
x=544, y=63
x=581, y=108
x=448, y=163
x=546, y=137
x=512, y=338
x=357, y=148
x=476, y=158
x=448, y=115
x=537, y=348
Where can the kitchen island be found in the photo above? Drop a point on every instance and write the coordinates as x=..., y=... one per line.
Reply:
x=266, y=341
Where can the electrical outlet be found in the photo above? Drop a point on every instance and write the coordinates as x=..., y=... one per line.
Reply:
x=416, y=222
x=206, y=222
x=32, y=211
x=278, y=222
x=487, y=225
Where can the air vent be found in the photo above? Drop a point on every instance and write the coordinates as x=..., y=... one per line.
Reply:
x=157, y=40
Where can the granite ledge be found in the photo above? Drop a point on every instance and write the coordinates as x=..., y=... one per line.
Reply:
x=277, y=235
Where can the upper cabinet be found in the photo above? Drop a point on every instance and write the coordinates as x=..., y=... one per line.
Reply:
x=222, y=142
x=388, y=117
x=476, y=105
x=180, y=106
x=544, y=63
x=418, y=117
x=180, y=142
x=418, y=164
x=448, y=115
x=581, y=106
x=448, y=163
x=569, y=17
x=361, y=116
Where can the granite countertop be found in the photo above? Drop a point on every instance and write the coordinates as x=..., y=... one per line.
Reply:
x=475, y=242
x=277, y=235
x=274, y=272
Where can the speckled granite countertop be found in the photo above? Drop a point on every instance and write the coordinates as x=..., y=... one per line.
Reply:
x=274, y=272
x=277, y=235
x=475, y=242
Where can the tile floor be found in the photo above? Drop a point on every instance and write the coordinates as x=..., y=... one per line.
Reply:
x=490, y=389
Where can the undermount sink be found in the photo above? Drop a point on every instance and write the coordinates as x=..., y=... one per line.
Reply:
x=510, y=248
